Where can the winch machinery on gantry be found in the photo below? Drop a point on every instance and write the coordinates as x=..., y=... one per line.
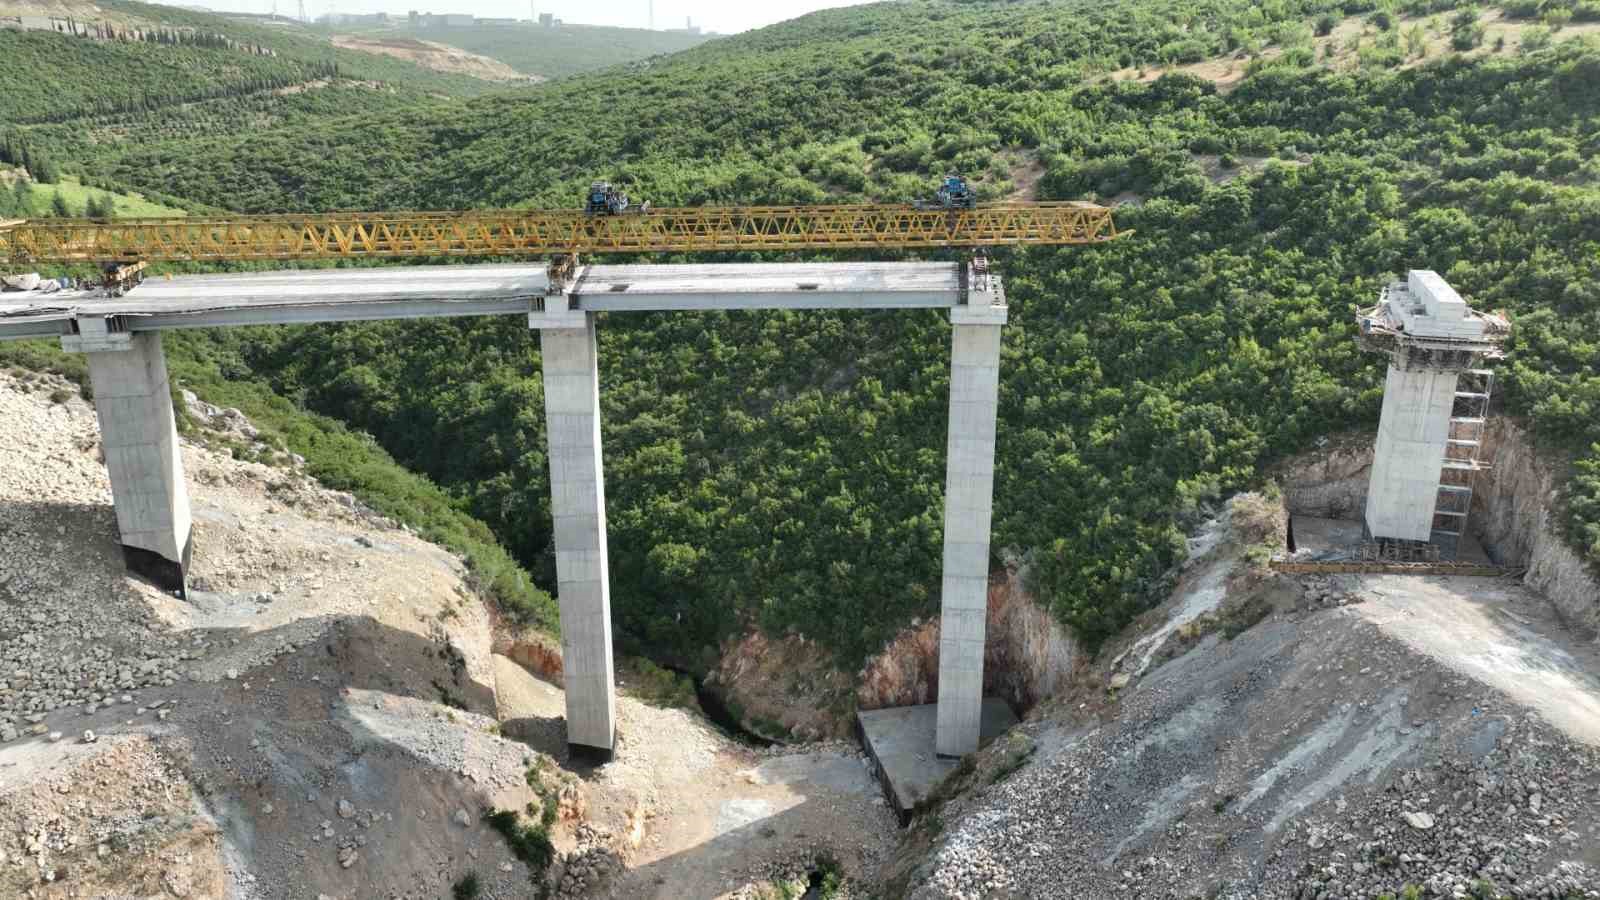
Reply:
x=124, y=246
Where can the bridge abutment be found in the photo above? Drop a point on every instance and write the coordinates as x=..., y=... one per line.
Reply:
x=139, y=435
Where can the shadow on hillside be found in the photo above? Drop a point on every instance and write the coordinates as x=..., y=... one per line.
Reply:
x=88, y=531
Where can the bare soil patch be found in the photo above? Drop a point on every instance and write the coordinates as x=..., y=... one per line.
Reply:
x=438, y=57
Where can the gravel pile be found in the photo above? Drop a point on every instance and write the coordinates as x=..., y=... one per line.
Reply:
x=107, y=649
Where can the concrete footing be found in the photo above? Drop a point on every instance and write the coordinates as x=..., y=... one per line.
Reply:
x=968, y=506
x=139, y=434
x=897, y=741
x=578, y=506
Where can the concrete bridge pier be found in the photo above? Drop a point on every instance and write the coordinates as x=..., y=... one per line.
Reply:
x=139, y=435
x=578, y=505
x=968, y=508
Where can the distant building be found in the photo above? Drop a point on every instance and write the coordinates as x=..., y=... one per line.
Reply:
x=547, y=20
x=497, y=22
x=332, y=19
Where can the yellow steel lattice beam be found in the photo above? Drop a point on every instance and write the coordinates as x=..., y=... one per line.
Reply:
x=549, y=232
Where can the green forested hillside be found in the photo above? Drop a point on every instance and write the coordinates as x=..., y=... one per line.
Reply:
x=50, y=77
x=550, y=52
x=787, y=469
x=144, y=75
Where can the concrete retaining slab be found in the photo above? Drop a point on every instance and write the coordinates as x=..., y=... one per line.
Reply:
x=900, y=743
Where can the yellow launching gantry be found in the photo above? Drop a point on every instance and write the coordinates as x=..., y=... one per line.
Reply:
x=125, y=245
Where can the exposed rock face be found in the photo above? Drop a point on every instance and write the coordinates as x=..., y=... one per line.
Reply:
x=784, y=689
x=300, y=725
x=536, y=652
x=906, y=673
x=1512, y=515
x=1028, y=655
x=792, y=681
x=1331, y=481
x=1319, y=751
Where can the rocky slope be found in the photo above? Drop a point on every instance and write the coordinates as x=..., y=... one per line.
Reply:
x=326, y=718
x=280, y=734
x=1339, y=737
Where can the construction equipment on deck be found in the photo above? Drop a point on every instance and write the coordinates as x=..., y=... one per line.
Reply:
x=953, y=193
x=118, y=279
x=605, y=200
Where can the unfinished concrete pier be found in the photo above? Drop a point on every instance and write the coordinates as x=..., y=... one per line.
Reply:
x=1431, y=427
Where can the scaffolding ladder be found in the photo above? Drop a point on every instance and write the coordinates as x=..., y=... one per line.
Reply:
x=1469, y=418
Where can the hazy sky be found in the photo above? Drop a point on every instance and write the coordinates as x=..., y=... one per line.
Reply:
x=722, y=16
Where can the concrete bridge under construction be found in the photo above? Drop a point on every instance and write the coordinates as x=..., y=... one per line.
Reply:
x=121, y=337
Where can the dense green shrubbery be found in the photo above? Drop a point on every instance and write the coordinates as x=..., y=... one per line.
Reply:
x=49, y=77
x=785, y=469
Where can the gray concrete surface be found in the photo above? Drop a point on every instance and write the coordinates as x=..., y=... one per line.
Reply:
x=1412, y=431
x=1328, y=540
x=768, y=286
x=1431, y=337
x=1322, y=539
x=578, y=505
x=133, y=401
x=968, y=507
x=284, y=297
x=898, y=740
x=404, y=292
x=152, y=505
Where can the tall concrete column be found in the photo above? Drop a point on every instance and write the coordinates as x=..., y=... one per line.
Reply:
x=968, y=507
x=133, y=401
x=578, y=502
x=1410, y=449
x=1431, y=336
